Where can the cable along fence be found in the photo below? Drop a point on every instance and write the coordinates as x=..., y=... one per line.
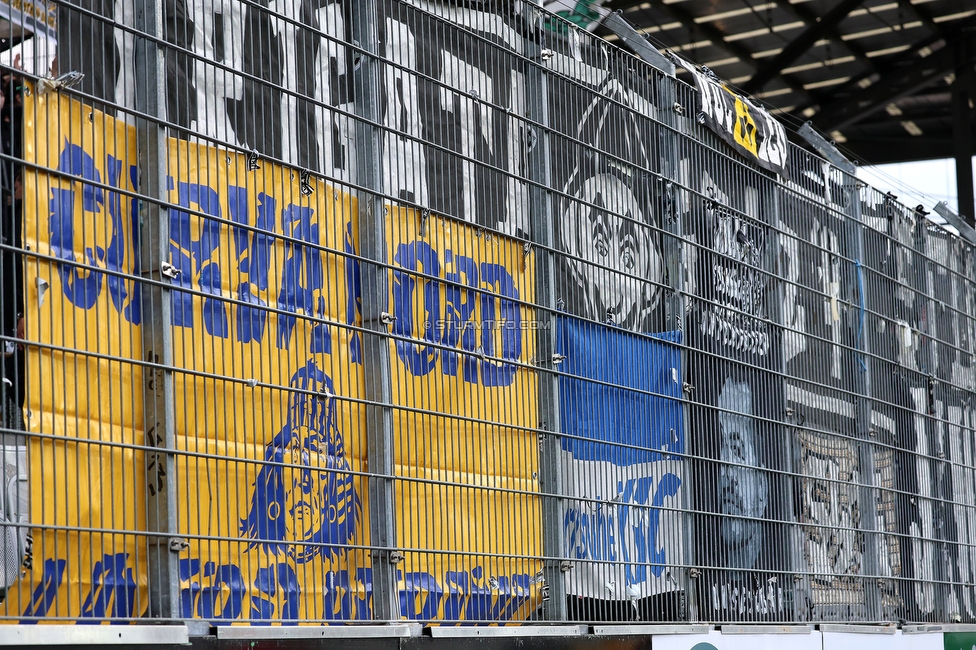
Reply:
x=388, y=309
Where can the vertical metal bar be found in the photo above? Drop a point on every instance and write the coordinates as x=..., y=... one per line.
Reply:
x=934, y=428
x=673, y=246
x=157, y=342
x=776, y=252
x=375, y=293
x=540, y=207
x=867, y=493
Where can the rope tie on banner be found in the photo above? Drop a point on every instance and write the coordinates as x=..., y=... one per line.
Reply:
x=860, y=320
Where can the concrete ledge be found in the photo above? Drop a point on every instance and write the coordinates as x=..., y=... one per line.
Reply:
x=319, y=631
x=629, y=630
x=933, y=628
x=28, y=635
x=856, y=629
x=443, y=632
x=767, y=629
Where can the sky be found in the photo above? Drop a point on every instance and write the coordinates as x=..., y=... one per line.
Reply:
x=926, y=182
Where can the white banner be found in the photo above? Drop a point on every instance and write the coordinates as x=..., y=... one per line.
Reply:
x=716, y=640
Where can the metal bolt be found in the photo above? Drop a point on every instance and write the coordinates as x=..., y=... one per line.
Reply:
x=168, y=270
x=178, y=545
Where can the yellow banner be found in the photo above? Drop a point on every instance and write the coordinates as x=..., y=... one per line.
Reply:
x=465, y=440
x=269, y=421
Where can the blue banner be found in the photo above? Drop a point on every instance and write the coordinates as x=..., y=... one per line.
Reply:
x=622, y=390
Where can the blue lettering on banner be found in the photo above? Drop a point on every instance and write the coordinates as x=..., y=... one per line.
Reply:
x=417, y=256
x=82, y=287
x=453, y=326
x=220, y=593
x=354, y=296
x=113, y=590
x=302, y=276
x=194, y=247
x=46, y=591
x=600, y=535
x=341, y=594
x=253, y=250
x=271, y=581
x=194, y=257
x=644, y=524
x=211, y=587
x=462, y=280
x=620, y=406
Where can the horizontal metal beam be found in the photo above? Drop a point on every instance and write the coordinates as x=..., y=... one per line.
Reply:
x=767, y=629
x=927, y=19
x=800, y=45
x=886, y=90
x=401, y=630
x=956, y=221
x=616, y=23
x=847, y=628
x=810, y=18
x=827, y=149
x=64, y=635
x=514, y=631
x=644, y=630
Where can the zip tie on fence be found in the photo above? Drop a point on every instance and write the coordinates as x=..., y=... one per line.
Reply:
x=860, y=320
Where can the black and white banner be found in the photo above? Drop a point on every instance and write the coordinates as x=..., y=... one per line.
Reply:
x=749, y=129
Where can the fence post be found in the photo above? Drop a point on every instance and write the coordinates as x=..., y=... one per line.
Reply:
x=942, y=571
x=540, y=206
x=775, y=253
x=375, y=298
x=867, y=493
x=862, y=369
x=157, y=343
x=675, y=304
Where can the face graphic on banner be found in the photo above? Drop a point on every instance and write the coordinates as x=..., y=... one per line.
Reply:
x=304, y=498
x=607, y=230
x=743, y=489
x=615, y=249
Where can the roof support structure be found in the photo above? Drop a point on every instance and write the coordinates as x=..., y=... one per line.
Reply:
x=962, y=131
x=718, y=39
x=810, y=18
x=798, y=46
x=898, y=82
x=895, y=63
x=924, y=15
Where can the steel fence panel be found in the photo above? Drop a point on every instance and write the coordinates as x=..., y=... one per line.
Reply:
x=456, y=313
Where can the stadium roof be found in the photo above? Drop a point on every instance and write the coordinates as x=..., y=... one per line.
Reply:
x=877, y=75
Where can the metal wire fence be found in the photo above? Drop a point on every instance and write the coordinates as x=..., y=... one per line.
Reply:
x=451, y=312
